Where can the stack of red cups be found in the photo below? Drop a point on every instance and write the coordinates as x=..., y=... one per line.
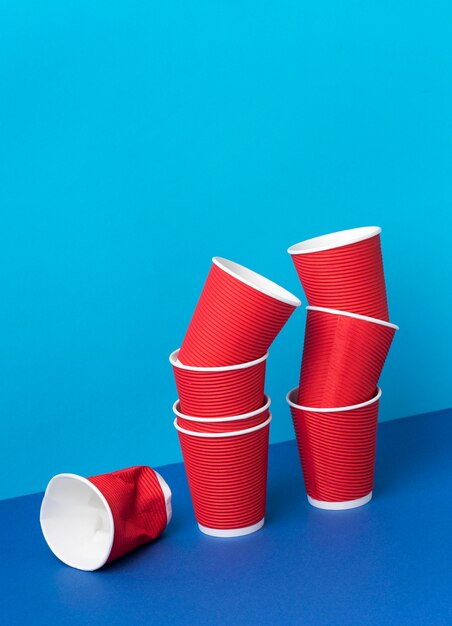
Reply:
x=222, y=414
x=347, y=339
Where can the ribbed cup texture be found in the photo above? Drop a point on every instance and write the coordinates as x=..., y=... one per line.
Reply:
x=137, y=504
x=349, y=278
x=342, y=359
x=337, y=451
x=232, y=323
x=227, y=478
x=223, y=427
x=220, y=394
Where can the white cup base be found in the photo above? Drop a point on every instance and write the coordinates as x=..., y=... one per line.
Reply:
x=340, y=506
x=231, y=532
x=167, y=495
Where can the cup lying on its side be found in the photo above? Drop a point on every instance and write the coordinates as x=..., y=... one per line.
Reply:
x=88, y=522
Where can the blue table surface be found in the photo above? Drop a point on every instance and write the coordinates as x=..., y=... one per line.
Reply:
x=388, y=562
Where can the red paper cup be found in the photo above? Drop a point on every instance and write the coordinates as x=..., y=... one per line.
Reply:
x=344, y=270
x=223, y=424
x=343, y=356
x=238, y=315
x=88, y=522
x=219, y=391
x=227, y=476
x=337, y=451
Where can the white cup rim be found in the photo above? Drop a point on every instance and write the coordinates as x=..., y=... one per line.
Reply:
x=339, y=409
x=256, y=281
x=365, y=318
x=214, y=420
x=173, y=359
x=334, y=240
x=234, y=433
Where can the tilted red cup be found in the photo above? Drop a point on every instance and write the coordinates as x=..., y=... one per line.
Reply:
x=88, y=522
x=227, y=476
x=223, y=424
x=344, y=270
x=343, y=356
x=219, y=391
x=238, y=315
x=337, y=451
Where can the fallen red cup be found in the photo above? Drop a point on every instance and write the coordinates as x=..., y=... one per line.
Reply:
x=219, y=391
x=343, y=356
x=223, y=424
x=88, y=522
x=337, y=451
x=227, y=476
x=344, y=270
x=238, y=315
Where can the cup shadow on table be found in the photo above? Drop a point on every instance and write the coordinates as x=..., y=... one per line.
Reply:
x=133, y=557
x=286, y=494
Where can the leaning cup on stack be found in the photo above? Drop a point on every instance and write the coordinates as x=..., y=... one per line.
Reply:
x=343, y=356
x=344, y=271
x=238, y=315
x=222, y=414
x=347, y=339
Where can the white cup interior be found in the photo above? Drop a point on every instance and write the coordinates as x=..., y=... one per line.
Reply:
x=77, y=522
x=258, y=282
x=334, y=240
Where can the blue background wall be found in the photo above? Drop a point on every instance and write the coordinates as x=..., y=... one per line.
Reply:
x=137, y=139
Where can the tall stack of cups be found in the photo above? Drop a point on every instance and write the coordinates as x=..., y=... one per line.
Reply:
x=222, y=414
x=347, y=339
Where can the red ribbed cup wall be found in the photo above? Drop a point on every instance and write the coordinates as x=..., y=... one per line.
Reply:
x=349, y=278
x=337, y=451
x=227, y=478
x=220, y=394
x=232, y=323
x=342, y=359
x=137, y=504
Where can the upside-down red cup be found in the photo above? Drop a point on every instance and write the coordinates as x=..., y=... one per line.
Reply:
x=227, y=476
x=343, y=356
x=88, y=522
x=344, y=270
x=219, y=391
x=238, y=315
x=223, y=424
x=337, y=451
